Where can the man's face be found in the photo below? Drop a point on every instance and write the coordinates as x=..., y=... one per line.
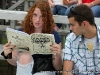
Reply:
x=75, y=27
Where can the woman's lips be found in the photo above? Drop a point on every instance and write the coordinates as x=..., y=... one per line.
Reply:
x=37, y=24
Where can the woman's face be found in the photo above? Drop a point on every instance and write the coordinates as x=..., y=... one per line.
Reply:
x=37, y=18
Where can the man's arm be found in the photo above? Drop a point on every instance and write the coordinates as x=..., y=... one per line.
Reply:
x=67, y=67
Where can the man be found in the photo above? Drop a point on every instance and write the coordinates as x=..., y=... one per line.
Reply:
x=82, y=50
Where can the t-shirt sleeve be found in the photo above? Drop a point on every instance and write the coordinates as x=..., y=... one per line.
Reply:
x=57, y=37
x=19, y=29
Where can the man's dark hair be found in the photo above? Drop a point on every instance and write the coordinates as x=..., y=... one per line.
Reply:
x=82, y=13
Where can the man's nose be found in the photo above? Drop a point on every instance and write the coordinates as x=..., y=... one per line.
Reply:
x=71, y=28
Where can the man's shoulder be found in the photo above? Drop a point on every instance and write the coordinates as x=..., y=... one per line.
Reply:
x=98, y=28
x=72, y=37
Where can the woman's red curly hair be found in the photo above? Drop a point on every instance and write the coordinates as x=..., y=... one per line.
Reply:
x=47, y=18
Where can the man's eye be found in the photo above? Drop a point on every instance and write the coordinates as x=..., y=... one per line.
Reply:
x=71, y=25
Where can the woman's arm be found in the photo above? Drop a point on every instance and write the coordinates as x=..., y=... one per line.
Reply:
x=57, y=59
x=14, y=58
x=95, y=2
x=8, y=48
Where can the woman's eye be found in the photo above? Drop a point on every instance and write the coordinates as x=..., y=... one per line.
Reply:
x=34, y=15
x=40, y=16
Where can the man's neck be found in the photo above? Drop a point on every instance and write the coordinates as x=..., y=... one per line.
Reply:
x=91, y=32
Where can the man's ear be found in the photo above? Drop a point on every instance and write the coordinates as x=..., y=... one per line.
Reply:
x=84, y=23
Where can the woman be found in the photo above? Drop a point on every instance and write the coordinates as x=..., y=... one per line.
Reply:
x=39, y=19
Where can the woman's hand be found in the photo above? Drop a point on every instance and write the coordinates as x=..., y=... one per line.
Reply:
x=70, y=2
x=57, y=59
x=8, y=48
x=52, y=5
x=55, y=48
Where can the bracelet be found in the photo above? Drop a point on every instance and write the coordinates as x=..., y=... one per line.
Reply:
x=9, y=56
x=6, y=57
x=92, y=3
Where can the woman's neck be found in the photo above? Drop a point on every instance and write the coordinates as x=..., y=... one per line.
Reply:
x=38, y=31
